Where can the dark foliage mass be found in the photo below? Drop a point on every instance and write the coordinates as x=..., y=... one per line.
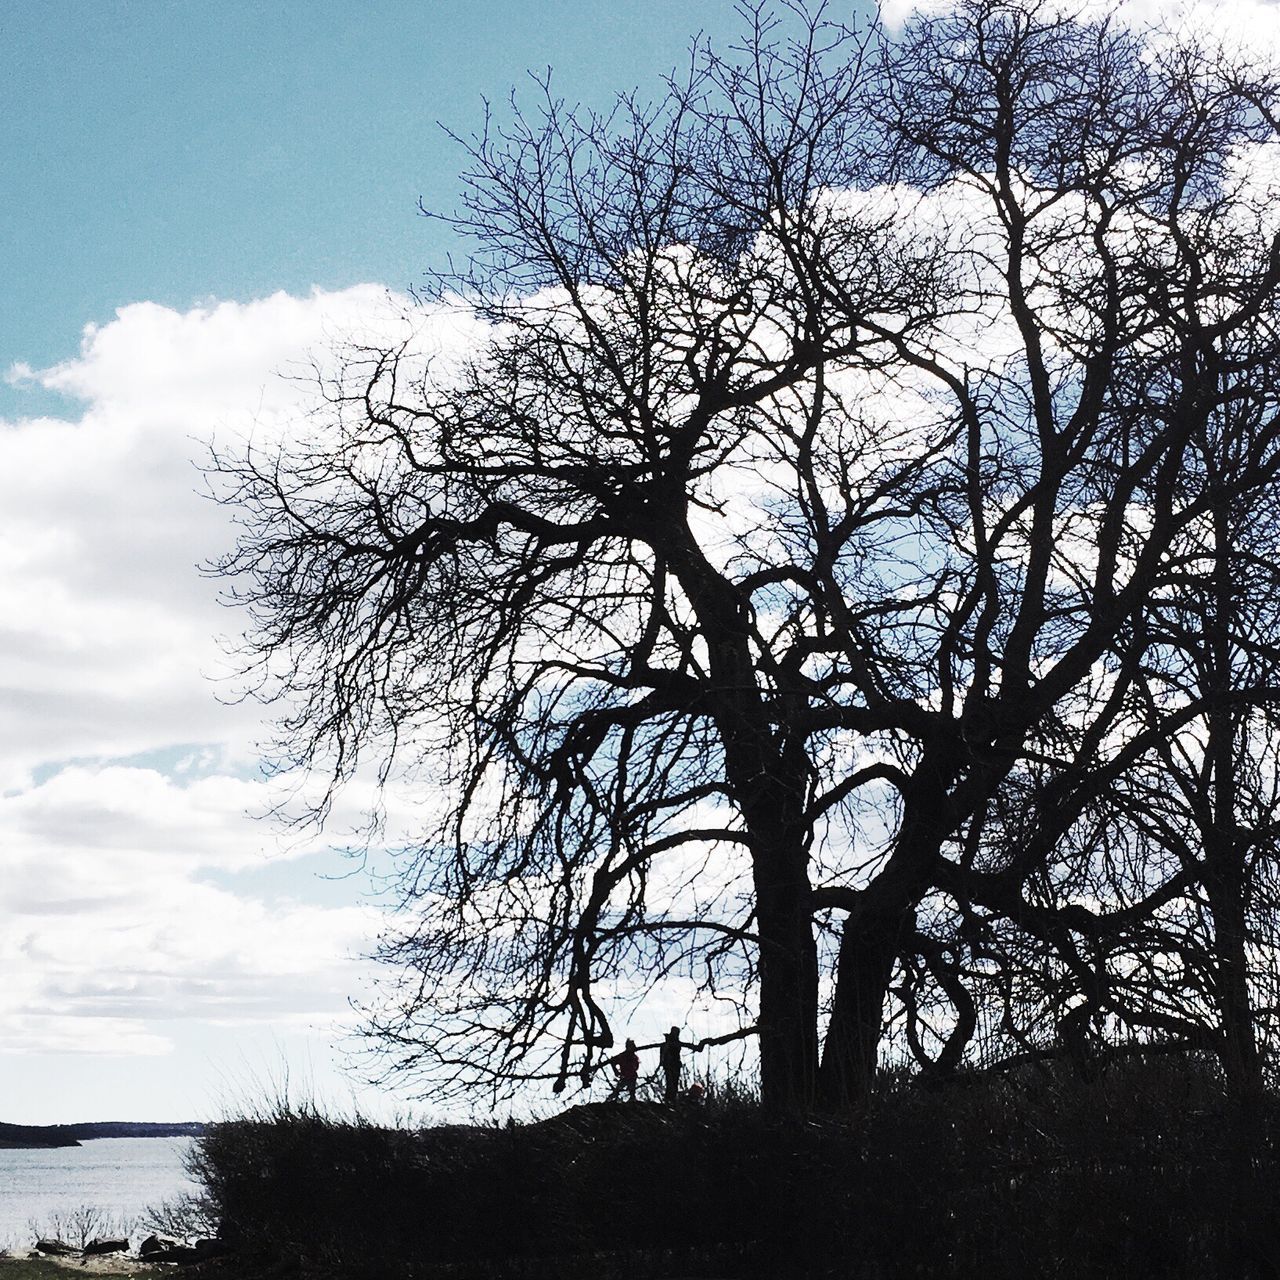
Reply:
x=836, y=571
x=1136, y=1173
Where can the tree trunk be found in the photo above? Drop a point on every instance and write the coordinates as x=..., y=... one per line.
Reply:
x=1241, y=1065
x=1224, y=872
x=874, y=933
x=769, y=778
x=788, y=1018
x=868, y=948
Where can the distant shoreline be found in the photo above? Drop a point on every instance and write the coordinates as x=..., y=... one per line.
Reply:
x=42, y=1136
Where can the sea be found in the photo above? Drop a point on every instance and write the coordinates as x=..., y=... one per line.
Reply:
x=118, y=1179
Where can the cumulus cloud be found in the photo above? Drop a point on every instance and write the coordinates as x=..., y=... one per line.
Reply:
x=128, y=901
x=108, y=628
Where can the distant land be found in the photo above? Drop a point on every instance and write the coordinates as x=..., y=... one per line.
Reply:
x=72, y=1135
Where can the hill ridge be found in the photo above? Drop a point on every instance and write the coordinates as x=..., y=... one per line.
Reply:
x=72, y=1135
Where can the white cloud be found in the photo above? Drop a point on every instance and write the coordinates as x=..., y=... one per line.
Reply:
x=895, y=12
x=107, y=627
x=1252, y=24
x=131, y=895
x=47, y=1033
x=122, y=913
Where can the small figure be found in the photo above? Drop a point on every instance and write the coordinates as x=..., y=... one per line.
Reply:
x=669, y=1060
x=627, y=1065
x=694, y=1094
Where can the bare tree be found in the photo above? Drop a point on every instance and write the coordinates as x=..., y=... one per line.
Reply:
x=1189, y=826
x=795, y=510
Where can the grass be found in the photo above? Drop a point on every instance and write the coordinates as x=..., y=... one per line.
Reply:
x=13, y=1268
x=31, y=1269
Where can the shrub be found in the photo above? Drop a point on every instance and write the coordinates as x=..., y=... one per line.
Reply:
x=1142, y=1171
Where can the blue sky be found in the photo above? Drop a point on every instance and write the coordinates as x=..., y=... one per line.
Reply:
x=172, y=150
x=197, y=198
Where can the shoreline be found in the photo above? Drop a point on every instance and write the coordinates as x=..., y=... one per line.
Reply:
x=45, y=1137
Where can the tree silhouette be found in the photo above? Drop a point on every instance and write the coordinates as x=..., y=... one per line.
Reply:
x=762, y=596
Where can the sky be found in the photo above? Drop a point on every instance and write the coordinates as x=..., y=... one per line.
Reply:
x=199, y=199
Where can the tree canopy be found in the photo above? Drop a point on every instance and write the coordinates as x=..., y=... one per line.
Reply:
x=840, y=570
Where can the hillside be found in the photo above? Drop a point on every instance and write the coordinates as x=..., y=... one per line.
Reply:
x=71, y=1135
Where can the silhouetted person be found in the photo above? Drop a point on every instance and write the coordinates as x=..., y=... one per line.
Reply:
x=669, y=1060
x=1077, y=1041
x=627, y=1065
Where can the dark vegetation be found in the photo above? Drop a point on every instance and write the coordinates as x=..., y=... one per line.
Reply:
x=837, y=567
x=1138, y=1171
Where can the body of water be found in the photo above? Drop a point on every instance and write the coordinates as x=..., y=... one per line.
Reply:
x=121, y=1177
